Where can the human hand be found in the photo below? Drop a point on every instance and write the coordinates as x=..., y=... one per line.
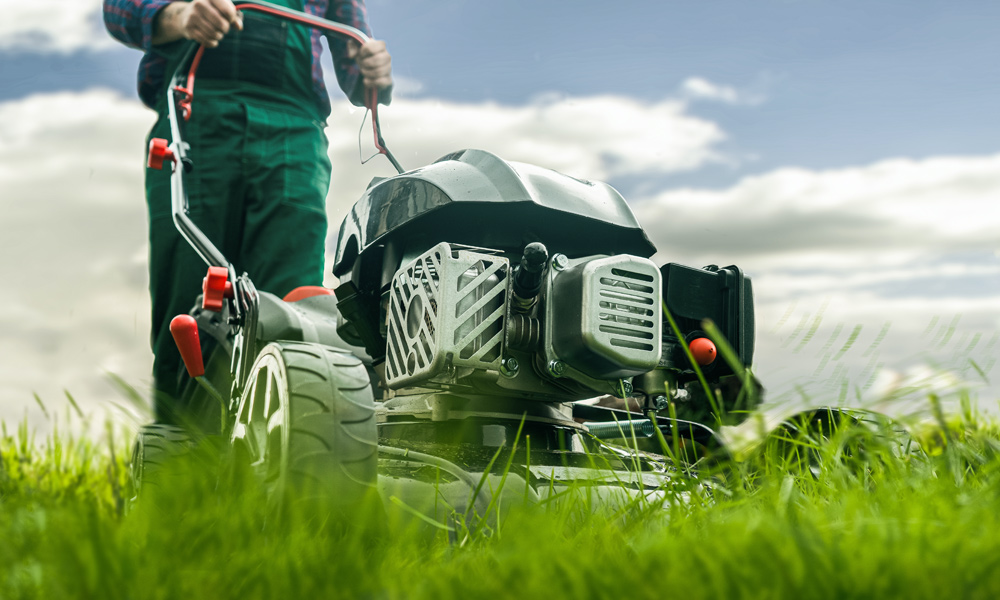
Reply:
x=374, y=61
x=208, y=21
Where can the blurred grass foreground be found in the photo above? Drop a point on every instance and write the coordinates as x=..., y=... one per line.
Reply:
x=866, y=511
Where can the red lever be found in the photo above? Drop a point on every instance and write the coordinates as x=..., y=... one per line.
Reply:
x=703, y=350
x=159, y=151
x=184, y=330
x=215, y=287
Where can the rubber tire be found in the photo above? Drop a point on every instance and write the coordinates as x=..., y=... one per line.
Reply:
x=330, y=440
x=154, y=446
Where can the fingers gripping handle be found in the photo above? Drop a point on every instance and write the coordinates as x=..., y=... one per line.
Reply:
x=186, y=91
x=371, y=94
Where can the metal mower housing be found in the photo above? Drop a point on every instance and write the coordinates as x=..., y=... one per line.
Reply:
x=475, y=198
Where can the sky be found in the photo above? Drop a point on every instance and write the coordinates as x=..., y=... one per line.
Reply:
x=845, y=154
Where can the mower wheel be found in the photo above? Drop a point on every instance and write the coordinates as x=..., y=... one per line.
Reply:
x=306, y=422
x=155, y=446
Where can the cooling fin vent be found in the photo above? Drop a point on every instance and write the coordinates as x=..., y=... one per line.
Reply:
x=627, y=304
x=446, y=311
x=604, y=317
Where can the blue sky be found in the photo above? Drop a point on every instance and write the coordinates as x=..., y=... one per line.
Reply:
x=846, y=153
x=843, y=83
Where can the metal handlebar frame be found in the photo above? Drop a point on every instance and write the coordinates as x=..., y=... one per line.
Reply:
x=245, y=303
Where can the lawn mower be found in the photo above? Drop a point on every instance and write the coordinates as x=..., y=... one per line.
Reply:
x=497, y=328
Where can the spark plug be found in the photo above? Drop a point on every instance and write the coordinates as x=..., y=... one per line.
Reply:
x=528, y=276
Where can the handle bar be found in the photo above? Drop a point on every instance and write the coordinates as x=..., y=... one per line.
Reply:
x=279, y=12
x=183, y=83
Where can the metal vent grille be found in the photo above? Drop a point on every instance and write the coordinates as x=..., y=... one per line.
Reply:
x=479, y=312
x=621, y=316
x=627, y=302
x=413, y=316
x=426, y=340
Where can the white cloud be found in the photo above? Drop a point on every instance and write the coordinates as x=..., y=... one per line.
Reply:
x=698, y=88
x=403, y=86
x=596, y=137
x=901, y=241
x=52, y=26
x=72, y=227
x=888, y=212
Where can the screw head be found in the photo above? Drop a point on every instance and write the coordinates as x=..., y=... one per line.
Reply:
x=557, y=368
x=560, y=262
x=509, y=366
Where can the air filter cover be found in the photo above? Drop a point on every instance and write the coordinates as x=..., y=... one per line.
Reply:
x=446, y=312
x=606, y=316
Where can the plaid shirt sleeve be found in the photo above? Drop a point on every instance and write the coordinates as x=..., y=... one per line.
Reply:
x=353, y=13
x=131, y=21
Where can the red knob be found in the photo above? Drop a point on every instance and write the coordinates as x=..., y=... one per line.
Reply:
x=215, y=288
x=703, y=350
x=159, y=151
x=184, y=330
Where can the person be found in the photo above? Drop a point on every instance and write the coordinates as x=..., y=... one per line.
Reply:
x=261, y=171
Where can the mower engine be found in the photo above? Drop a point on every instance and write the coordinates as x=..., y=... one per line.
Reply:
x=478, y=278
x=463, y=317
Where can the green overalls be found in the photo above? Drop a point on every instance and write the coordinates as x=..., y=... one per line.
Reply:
x=258, y=188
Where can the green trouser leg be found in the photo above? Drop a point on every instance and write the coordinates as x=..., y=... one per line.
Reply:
x=258, y=191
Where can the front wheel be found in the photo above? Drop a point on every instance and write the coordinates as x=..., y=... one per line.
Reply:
x=306, y=423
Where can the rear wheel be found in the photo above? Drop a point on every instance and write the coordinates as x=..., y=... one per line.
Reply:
x=155, y=447
x=306, y=424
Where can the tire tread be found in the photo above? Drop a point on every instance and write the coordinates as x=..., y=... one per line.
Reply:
x=332, y=434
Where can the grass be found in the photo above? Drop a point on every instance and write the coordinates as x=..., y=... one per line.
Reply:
x=864, y=512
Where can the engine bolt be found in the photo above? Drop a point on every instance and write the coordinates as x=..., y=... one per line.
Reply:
x=560, y=262
x=557, y=368
x=509, y=366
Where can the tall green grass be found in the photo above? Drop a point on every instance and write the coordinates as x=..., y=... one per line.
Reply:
x=861, y=510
